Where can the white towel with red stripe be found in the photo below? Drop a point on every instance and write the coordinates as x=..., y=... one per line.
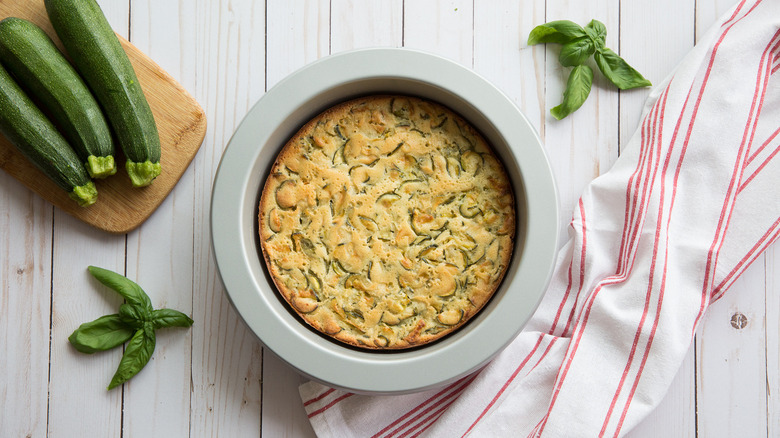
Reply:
x=690, y=203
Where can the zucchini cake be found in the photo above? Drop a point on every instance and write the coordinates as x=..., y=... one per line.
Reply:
x=387, y=222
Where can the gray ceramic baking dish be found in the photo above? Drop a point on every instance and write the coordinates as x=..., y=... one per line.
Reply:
x=303, y=95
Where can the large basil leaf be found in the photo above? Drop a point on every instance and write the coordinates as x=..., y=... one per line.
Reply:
x=560, y=32
x=102, y=334
x=618, y=71
x=137, y=354
x=122, y=285
x=577, y=91
x=170, y=318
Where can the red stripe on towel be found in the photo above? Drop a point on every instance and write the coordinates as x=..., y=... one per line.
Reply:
x=319, y=397
x=451, y=395
x=428, y=422
x=330, y=405
x=583, y=254
x=419, y=406
x=759, y=168
x=763, y=146
x=504, y=386
x=763, y=243
x=657, y=142
x=662, y=290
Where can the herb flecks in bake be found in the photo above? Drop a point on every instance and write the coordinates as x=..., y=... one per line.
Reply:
x=387, y=222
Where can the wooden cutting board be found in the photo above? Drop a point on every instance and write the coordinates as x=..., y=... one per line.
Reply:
x=180, y=121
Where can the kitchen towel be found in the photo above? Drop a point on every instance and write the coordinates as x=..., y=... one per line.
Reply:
x=693, y=199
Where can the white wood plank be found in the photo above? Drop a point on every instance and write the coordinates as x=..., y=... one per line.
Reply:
x=298, y=33
x=25, y=287
x=707, y=12
x=502, y=56
x=772, y=266
x=117, y=13
x=360, y=23
x=160, y=254
x=585, y=144
x=283, y=413
x=77, y=382
x=226, y=357
x=444, y=27
x=654, y=38
x=731, y=369
x=229, y=53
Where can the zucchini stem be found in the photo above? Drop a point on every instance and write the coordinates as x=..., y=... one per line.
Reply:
x=85, y=195
x=100, y=167
x=142, y=174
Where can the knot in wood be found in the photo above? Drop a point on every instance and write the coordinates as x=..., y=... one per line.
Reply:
x=739, y=321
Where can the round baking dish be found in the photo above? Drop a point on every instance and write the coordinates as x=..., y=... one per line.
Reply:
x=303, y=95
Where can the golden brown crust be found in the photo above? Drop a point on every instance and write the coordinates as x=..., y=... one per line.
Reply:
x=387, y=222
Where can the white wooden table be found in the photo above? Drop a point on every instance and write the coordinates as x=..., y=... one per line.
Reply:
x=216, y=379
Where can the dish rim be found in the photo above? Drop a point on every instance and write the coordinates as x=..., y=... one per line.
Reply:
x=278, y=115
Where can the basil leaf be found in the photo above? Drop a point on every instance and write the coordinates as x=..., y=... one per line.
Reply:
x=596, y=30
x=576, y=52
x=577, y=91
x=102, y=334
x=122, y=285
x=170, y=318
x=137, y=354
x=618, y=71
x=560, y=32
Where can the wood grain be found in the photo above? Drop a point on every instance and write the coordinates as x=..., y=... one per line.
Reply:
x=732, y=391
x=77, y=382
x=25, y=308
x=160, y=255
x=521, y=75
x=229, y=77
x=772, y=318
x=181, y=124
x=582, y=147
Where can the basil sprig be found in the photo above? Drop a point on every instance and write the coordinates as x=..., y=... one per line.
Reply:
x=577, y=90
x=579, y=44
x=136, y=322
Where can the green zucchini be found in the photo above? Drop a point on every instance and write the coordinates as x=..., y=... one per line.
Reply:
x=469, y=211
x=28, y=129
x=99, y=58
x=31, y=57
